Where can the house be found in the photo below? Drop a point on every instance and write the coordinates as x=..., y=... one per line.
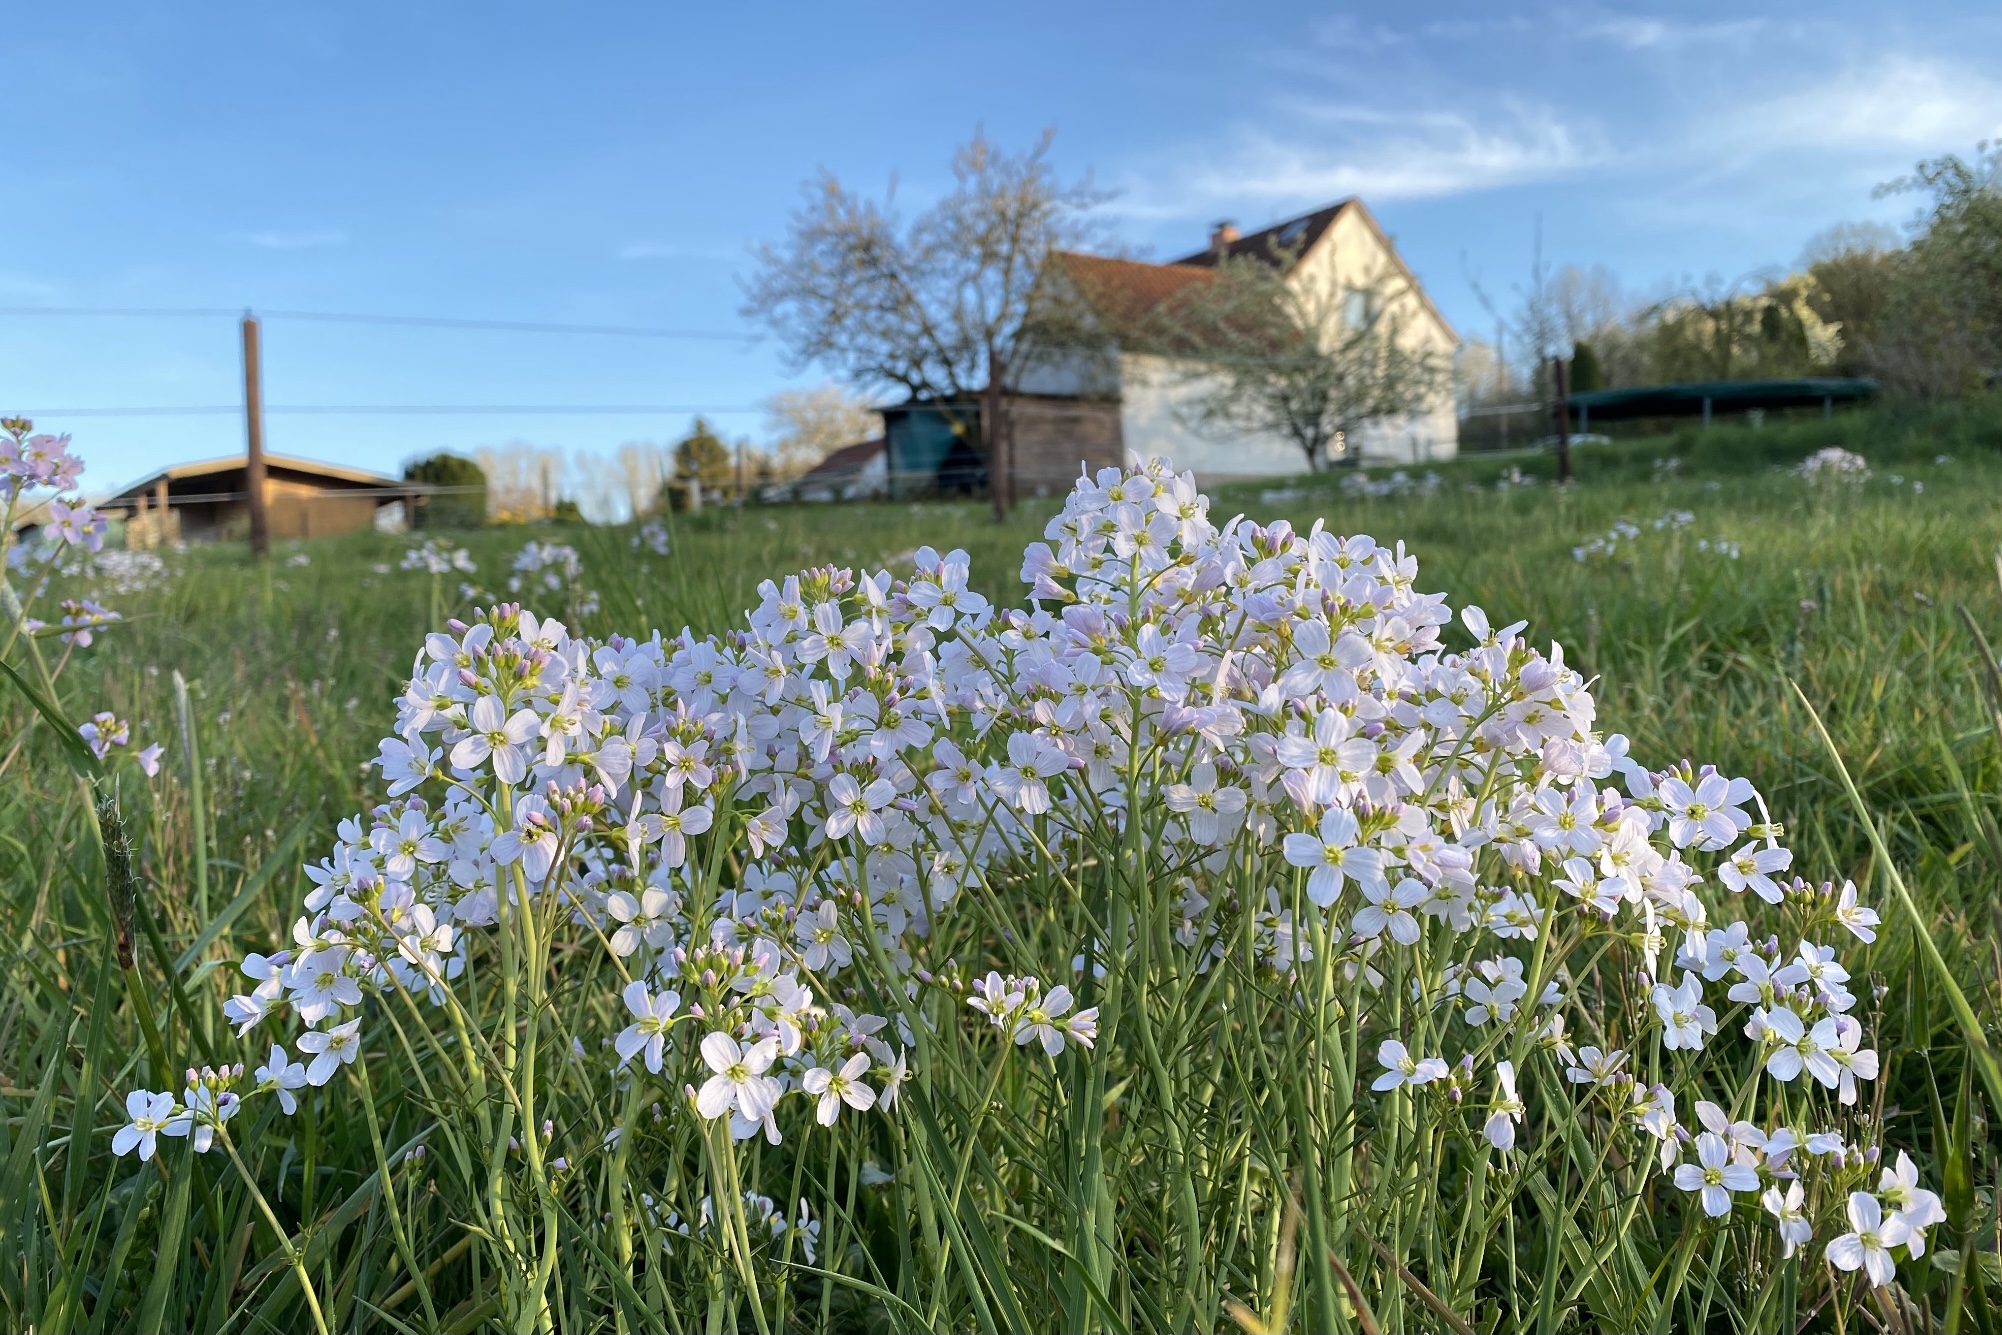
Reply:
x=1137, y=400
x=210, y=501
x=852, y=473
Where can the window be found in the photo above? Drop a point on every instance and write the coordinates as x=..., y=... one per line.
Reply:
x=1356, y=308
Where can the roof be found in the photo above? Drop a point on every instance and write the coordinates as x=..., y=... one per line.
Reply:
x=847, y=459
x=1290, y=239
x=1687, y=400
x=237, y=462
x=1132, y=288
x=1126, y=289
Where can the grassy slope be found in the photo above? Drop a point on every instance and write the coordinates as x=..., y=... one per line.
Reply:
x=1852, y=591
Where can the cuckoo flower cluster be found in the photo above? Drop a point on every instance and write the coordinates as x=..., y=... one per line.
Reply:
x=70, y=541
x=766, y=830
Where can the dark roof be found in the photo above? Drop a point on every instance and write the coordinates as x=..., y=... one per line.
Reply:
x=848, y=459
x=1687, y=400
x=1277, y=243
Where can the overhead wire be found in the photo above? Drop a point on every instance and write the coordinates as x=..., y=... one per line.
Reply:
x=405, y=410
x=418, y=321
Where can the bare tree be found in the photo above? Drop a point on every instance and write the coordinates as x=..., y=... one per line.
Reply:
x=1307, y=361
x=523, y=480
x=941, y=307
x=807, y=425
x=643, y=466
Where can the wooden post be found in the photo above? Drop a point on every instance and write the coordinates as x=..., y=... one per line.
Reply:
x=740, y=471
x=1000, y=461
x=253, y=424
x=1560, y=370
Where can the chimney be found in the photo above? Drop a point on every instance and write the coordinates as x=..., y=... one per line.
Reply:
x=1222, y=235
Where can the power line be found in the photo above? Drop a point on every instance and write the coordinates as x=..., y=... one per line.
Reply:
x=406, y=410
x=417, y=321
x=515, y=326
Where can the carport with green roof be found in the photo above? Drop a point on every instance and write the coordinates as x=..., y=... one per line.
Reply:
x=1707, y=397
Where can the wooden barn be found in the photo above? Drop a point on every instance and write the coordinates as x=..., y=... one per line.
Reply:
x=210, y=501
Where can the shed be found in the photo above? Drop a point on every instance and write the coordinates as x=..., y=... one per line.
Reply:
x=851, y=473
x=210, y=501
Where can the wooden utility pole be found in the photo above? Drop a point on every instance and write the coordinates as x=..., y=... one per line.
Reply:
x=1000, y=464
x=1561, y=374
x=253, y=429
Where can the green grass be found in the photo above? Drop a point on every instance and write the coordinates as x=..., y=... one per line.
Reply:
x=1855, y=593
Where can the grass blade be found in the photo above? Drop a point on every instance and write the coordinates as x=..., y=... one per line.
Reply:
x=1978, y=1050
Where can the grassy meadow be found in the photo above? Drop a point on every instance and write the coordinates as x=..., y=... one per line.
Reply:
x=1736, y=577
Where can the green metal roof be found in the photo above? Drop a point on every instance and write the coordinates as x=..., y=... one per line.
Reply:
x=1722, y=396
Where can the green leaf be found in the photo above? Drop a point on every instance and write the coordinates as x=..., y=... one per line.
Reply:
x=75, y=749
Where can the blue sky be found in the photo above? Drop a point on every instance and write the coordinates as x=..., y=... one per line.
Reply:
x=610, y=164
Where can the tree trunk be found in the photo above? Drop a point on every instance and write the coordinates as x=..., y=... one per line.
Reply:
x=994, y=426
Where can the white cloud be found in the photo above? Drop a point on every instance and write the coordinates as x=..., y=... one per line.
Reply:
x=1897, y=101
x=1350, y=149
x=302, y=240
x=1635, y=33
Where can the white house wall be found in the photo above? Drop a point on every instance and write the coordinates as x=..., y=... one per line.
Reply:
x=1154, y=392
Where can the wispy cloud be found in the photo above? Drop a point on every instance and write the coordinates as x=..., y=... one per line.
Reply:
x=1893, y=101
x=314, y=239
x=1335, y=149
x=1636, y=33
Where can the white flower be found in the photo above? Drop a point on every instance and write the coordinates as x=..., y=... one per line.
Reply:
x=1401, y=1068
x=851, y=808
x=1797, y=1048
x=1506, y=1110
x=1707, y=816
x=1868, y=1246
x=1389, y=909
x=654, y=1016
x=1595, y=1067
x=677, y=825
x=739, y=1081
x=284, y=1075
x=643, y=921
x=1039, y=1020
x=1213, y=813
x=1795, y=1231
x=150, y=1114
x=819, y=932
x=834, y=1088
x=1858, y=919
x=498, y=737
x=332, y=1049
x=1917, y=1209
x=1751, y=868
x=1021, y=781
x=1714, y=1175
x=1333, y=855
x=1684, y=1018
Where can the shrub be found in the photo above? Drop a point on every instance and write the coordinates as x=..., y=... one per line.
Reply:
x=463, y=507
